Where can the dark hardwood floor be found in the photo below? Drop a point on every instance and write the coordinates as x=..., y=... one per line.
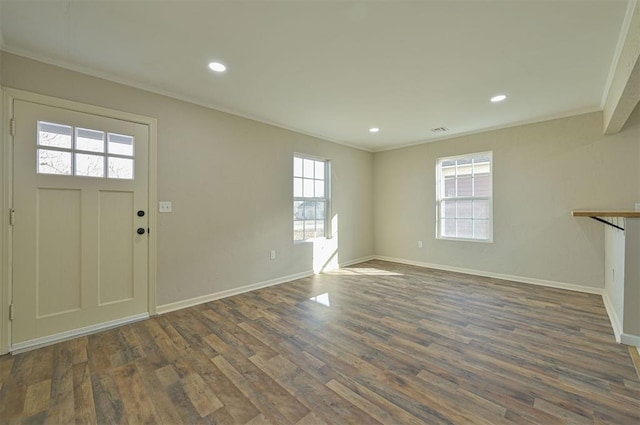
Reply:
x=373, y=343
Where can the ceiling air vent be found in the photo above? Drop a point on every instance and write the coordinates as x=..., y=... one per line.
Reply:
x=438, y=130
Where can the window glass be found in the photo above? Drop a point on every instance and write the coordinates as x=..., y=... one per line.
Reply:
x=84, y=152
x=56, y=135
x=89, y=165
x=54, y=162
x=310, y=198
x=89, y=140
x=464, y=197
x=120, y=144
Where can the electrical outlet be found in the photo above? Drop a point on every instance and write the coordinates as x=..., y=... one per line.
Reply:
x=637, y=206
x=419, y=244
x=273, y=254
x=165, y=206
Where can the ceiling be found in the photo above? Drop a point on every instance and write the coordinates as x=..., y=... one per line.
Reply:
x=333, y=69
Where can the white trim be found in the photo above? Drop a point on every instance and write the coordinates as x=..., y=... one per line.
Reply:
x=78, y=106
x=613, y=317
x=633, y=340
x=152, y=212
x=520, y=279
x=178, y=305
x=6, y=156
x=32, y=344
x=357, y=261
x=622, y=39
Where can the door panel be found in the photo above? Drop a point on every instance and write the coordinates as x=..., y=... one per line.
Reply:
x=79, y=180
x=57, y=264
x=116, y=248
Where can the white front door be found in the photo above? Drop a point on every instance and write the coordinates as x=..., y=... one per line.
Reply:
x=80, y=246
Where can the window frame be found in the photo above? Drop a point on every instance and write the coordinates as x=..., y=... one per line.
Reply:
x=326, y=199
x=440, y=197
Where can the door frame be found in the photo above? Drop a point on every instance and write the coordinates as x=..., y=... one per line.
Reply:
x=6, y=194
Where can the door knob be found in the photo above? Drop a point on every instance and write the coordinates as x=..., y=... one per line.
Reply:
x=140, y=213
x=140, y=230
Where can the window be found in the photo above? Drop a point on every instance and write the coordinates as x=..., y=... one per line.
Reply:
x=464, y=197
x=75, y=151
x=311, y=195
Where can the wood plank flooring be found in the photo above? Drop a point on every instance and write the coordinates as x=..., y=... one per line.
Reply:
x=375, y=343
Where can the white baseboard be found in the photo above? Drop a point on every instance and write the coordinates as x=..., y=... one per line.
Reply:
x=32, y=344
x=178, y=305
x=629, y=339
x=521, y=279
x=613, y=317
x=357, y=261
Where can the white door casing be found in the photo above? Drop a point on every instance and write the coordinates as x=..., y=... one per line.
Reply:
x=78, y=261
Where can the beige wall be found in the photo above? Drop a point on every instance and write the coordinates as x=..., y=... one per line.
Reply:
x=230, y=181
x=541, y=172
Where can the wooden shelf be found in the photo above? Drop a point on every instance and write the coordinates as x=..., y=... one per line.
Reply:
x=606, y=213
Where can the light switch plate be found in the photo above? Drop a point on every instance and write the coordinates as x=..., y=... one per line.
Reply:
x=638, y=206
x=165, y=206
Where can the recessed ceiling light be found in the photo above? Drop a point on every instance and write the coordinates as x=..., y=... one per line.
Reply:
x=374, y=130
x=498, y=98
x=217, y=67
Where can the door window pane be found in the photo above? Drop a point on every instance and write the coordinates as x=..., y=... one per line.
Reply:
x=89, y=165
x=82, y=152
x=54, y=162
x=89, y=140
x=120, y=144
x=120, y=168
x=55, y=135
